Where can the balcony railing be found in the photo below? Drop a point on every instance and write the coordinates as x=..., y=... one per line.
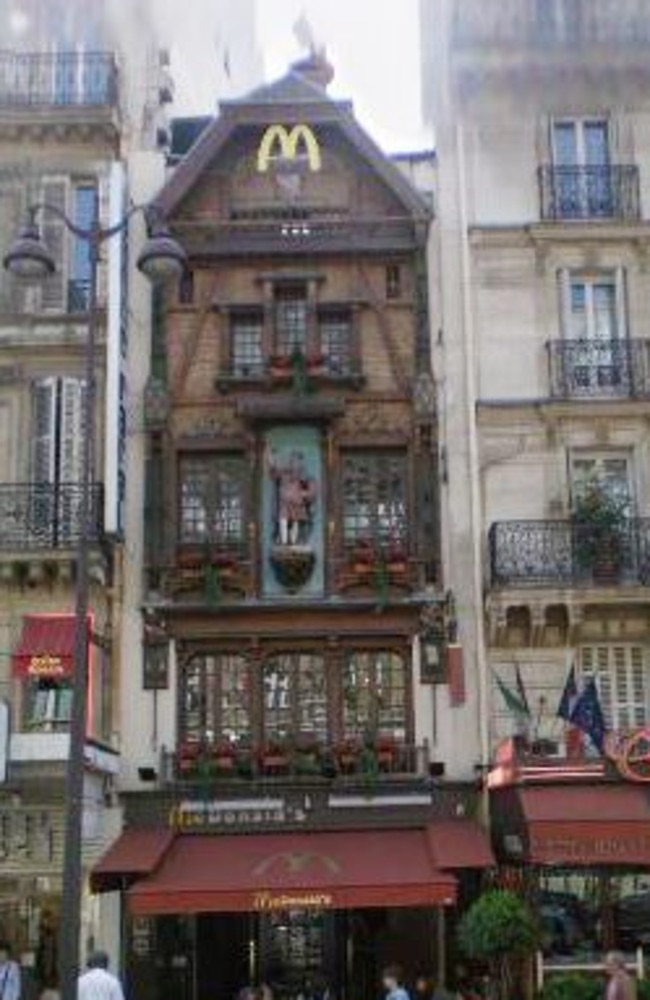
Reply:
x=599, y=368
x=46, y=516
x=563, y=553
x=46, y=79
x=595, y=192
x=351, y=759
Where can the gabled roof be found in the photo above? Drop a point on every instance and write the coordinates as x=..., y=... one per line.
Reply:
x=289, y=100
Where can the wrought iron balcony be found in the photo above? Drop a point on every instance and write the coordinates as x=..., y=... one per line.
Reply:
x=57, y=79
x=46, y=516
x=599, y=368
x=558, y=553
x=594, y=192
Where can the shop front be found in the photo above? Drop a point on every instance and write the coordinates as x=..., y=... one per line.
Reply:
x=300, y=910
x=581, y=853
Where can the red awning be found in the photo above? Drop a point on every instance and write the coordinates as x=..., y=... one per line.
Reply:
x=134, y=854
x=267, y=872
x=46, y=647
x=587, y=825
x=460, y=843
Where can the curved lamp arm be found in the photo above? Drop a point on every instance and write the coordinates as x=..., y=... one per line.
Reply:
x=99, y=233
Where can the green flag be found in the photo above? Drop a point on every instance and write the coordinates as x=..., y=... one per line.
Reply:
x=514, y=701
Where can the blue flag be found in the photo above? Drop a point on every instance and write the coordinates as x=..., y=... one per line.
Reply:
x=587, y=715
x=569, y=697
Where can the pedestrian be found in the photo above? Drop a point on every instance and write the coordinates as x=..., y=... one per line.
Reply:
x=97, y=983
x=620, y=984
x=10, y=984
x=426, y=989
x=393, y=981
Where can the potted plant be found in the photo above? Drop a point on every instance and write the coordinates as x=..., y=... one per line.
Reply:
x=224, y=758
x=274, y=758
x=499, y=931
x=599, y=528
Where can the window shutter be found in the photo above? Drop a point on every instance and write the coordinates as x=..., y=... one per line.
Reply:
x=43, y=446
x=621, y=303
x=621, y=677
x=72, y=430
x=53, y=292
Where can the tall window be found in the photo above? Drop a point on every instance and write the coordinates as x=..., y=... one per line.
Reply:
x=246, y=343
x=216, y=699
x=68, y=288
x=621, y=675
x=374, y=695
x=594, y=308
x=374, y=497
x=581, y=158
x=335, y=337
x=595, y=354
x=291, y=320
x=56, y=456
x=212, y=499
x=295, y=696
x=610, y=470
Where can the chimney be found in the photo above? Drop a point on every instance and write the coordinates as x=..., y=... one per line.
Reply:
x=315, y=68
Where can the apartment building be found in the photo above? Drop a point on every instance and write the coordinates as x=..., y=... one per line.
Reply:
x=63, y=125
x=542, y=123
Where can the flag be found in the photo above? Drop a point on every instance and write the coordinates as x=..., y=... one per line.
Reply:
x=587, y=715
x=521, y=690
x=569, y=697
x=514, y=702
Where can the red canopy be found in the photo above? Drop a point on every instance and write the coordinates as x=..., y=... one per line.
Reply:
x=46, y=647
x=134, y=854
x=267, y=872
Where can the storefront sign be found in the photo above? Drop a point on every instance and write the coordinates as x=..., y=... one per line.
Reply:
x=630, y=752
x=267, y=902
x=47, y=665
x=630, y=849
x=297, y=143
x=192, y=816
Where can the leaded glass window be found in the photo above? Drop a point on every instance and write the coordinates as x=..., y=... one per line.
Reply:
x=374, y=497
x=212, y=499
x=374, y=694
x=246, y=343
x=335, y=332
x=291, y=320
x=295, y=696
x=216, y=699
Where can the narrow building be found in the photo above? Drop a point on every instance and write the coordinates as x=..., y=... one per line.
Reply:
x=287, y=813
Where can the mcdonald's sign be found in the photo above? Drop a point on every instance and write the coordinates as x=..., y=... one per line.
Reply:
x=280, y=143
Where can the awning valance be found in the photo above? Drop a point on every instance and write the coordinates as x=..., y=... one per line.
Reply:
x=134, y=854
x=46, y=647
x=321, y=870
x=600, y=824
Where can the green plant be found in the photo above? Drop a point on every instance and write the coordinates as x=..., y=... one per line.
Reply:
x=599, y=525
x=572, y=986
x=499, y=930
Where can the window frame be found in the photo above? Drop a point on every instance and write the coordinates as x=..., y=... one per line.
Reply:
x=379, y=540
x=52, y=720
x=621, y=714
x=226, y=541
x=373, y=727
x=236, y=317
x=210, y=708
x=296, y=693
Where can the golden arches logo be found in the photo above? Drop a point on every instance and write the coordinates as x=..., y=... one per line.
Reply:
x=296, y=862
x=282, y=143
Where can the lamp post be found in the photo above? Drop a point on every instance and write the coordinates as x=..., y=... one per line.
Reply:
x=29, y=259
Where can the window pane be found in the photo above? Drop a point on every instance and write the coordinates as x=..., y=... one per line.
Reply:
x=290, y=321
x=596, y=144
x=246, y=344
x=374, y=498
x=565, y=144
x=374, y=695
x=48, y=704
x=215, y=699
x=212, y=499
x=621, y=676
x=295, y=696
x=335, y=334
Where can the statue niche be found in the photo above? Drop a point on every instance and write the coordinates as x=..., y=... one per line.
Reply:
x=293, y=512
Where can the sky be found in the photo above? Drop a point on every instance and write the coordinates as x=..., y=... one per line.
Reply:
x=372, y=44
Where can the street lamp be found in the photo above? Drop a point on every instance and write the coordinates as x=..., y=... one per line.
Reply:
x=29, y=259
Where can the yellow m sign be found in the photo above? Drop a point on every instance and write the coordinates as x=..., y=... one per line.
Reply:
x=297, y=143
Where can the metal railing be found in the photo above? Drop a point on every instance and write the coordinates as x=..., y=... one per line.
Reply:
x=63, y=79
x=599, y=368
x=565, y=553
x=589, y=192
x=46, y=516
x=195, y=762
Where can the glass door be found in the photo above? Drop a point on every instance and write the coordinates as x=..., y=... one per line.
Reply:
x=581, y=158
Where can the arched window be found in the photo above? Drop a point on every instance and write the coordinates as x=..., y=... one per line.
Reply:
x=295, y=696
x=374, y=694
x=216, y=699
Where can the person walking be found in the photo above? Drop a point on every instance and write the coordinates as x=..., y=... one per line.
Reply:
x=10, y=983
x=620, y=984
x=97, y=983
